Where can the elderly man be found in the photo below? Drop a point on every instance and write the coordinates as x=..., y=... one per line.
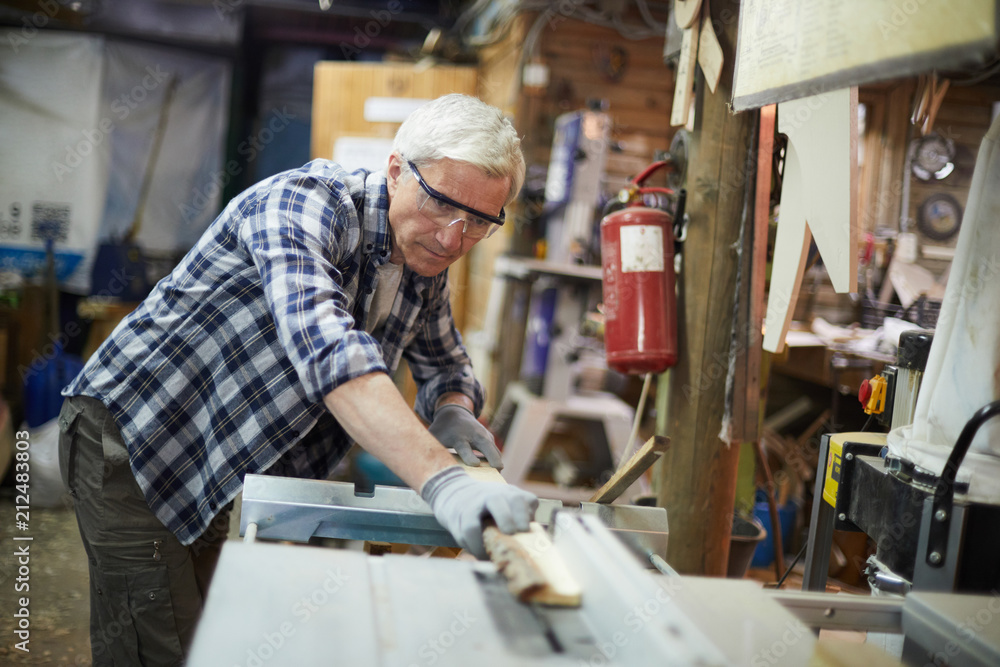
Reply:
x=269, y=348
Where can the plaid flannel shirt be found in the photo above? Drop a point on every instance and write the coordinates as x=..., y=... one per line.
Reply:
x=222, y=370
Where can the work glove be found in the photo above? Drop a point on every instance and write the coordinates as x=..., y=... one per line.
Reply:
x=460, y=504
x=455, y=426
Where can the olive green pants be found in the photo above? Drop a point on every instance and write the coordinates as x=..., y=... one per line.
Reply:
x=146, y=588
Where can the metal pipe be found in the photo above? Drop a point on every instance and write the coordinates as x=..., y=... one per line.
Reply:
x=842, y=612
x=944, y=493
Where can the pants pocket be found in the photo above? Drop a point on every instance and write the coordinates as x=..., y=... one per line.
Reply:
x=69, y=415
x=133, y=621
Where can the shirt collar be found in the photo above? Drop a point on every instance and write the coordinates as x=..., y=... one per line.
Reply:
x=375, y=238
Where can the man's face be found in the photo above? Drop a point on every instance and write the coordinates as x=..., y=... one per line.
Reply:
x=418, y=241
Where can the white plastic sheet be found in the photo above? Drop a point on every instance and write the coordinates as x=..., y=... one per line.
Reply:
x=78, y=114
x=963, y=369
x=189, y=174
x=54, y=152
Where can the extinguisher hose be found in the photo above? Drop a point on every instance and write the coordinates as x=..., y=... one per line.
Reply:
x=632, y=194
x=666, y=191
x=650, y=170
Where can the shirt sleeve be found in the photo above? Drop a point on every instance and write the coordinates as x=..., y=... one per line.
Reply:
x=438, y=360
x=297, y=235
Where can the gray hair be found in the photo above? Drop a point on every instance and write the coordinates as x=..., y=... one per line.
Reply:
x=465, y=129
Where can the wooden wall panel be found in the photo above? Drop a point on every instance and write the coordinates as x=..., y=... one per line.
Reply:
x=340, y=90
x=638, y=101
x=886, y=129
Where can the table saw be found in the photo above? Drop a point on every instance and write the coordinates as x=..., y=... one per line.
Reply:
x=287, y=604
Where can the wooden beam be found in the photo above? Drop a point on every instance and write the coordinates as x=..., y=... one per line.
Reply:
x=625, y=476
x=744, y=422
x=697, y=475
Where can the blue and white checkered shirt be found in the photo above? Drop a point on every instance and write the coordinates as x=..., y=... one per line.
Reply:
x=222, y=370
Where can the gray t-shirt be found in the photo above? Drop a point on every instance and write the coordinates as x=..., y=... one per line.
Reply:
x=389, y=275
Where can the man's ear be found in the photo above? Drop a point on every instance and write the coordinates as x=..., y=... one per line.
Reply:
x=393, y=174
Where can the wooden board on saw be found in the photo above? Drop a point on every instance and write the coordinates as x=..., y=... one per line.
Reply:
x=529, y=562
x=534, y=570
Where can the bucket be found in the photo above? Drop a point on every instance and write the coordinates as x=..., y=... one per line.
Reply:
x=746, y=535
x=764, y=555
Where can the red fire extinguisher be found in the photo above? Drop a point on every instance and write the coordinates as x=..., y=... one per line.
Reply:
x=640, y=309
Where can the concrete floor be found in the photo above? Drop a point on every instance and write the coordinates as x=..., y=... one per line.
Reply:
x=59, y=582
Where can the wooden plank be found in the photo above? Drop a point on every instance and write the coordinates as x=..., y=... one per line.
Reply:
x=870, y=172
x=709, y=52
x=696, y=477
x=627, y=474
x=335, y=82
x=894, y=155
x=746, y=394
x=684, y=85
x=649, y=78
x=758, y=276
x=654, y=102
x=482, y=473
x=686, y=12
x=640, y=57
x=534, y=570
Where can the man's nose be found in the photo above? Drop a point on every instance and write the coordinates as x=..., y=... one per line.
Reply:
x=450, y=237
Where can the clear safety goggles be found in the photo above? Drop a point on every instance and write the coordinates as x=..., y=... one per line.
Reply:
x=445, y=211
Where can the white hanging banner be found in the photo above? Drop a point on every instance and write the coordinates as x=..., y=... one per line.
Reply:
x=55, y=152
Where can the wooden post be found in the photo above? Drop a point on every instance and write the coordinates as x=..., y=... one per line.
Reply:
x=698, y=472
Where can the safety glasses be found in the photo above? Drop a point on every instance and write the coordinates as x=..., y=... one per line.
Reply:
x=445, y=211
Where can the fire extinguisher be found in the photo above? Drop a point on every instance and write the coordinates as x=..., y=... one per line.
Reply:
x=640, y=305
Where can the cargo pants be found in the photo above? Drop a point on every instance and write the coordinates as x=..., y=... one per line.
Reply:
x=146, y=588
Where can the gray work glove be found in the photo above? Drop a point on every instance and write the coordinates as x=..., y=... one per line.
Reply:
x=455, y=426
x=460, y=504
